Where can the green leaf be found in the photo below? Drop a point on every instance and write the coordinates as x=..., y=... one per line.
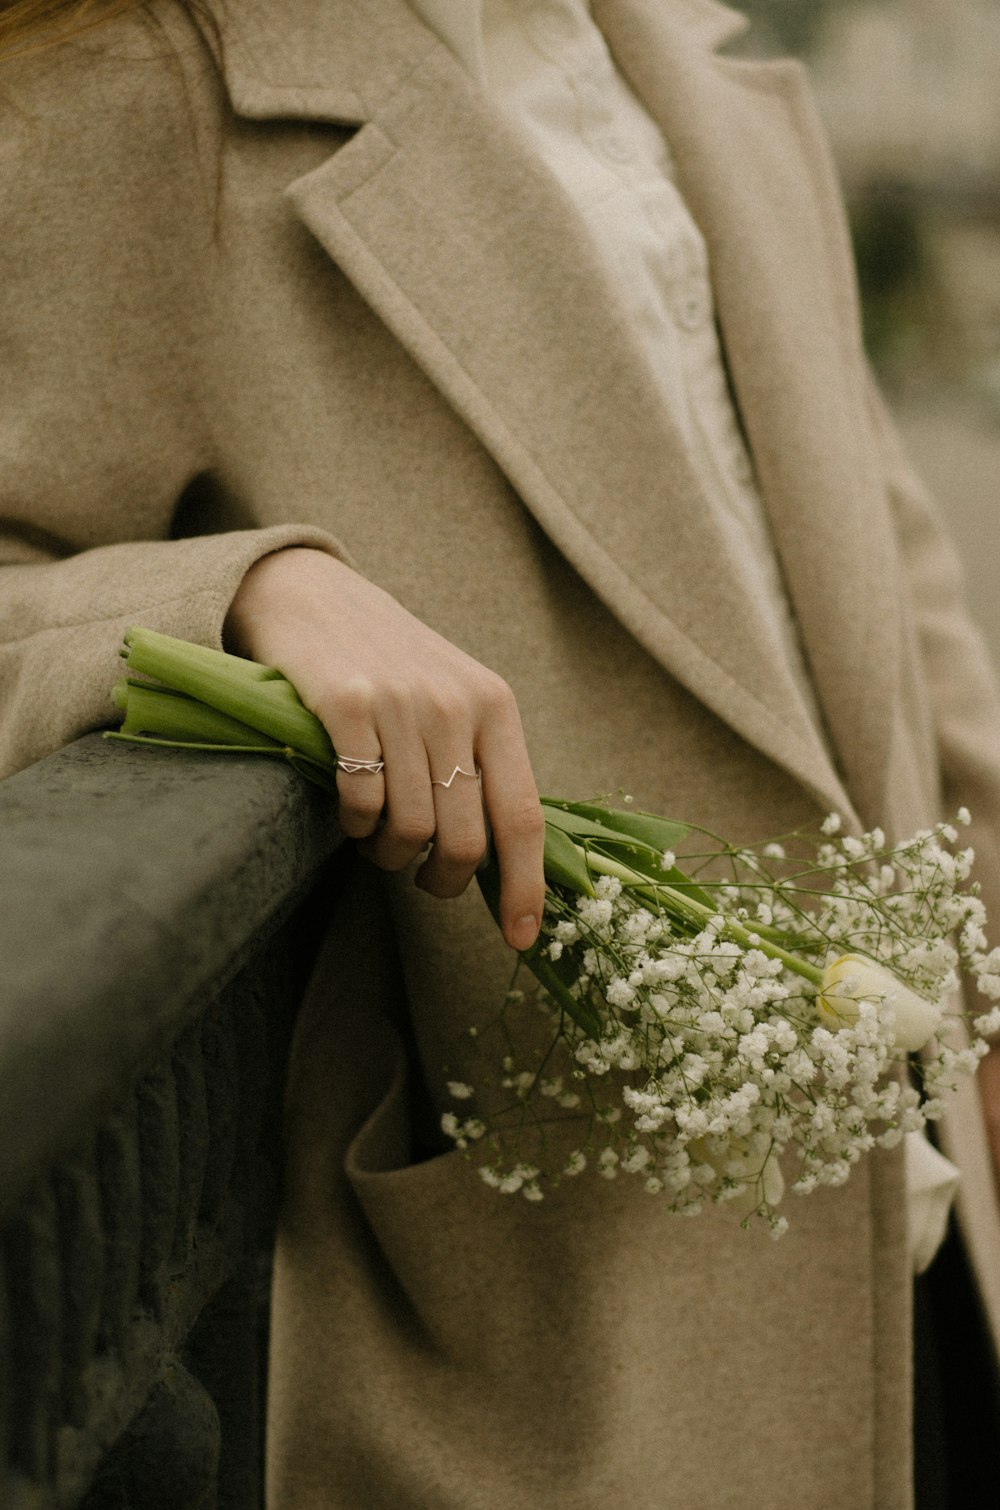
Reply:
x=659, y=833
x=629, y=841
x=565, y=864
x=649, y=864
x=577, y=825
x=554, y=975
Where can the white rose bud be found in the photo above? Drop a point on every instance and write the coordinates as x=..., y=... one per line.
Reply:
x=733, y=1157
x=850, y=979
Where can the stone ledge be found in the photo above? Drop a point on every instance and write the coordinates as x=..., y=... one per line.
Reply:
x=133, y=885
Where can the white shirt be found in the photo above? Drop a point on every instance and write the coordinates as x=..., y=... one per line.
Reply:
x=547, y=65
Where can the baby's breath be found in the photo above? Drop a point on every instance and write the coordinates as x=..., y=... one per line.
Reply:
x=714, y=1074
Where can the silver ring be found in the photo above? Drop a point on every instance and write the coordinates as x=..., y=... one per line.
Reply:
x=351, y=767
x=458, y=771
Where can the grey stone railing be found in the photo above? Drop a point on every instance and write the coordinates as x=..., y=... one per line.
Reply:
x=155, y=932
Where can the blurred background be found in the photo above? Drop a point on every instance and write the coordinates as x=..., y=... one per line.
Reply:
x=910, y=93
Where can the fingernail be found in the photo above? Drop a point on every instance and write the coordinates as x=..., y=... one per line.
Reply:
x=524, y=932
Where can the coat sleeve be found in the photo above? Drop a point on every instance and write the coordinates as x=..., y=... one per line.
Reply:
x=62, y=622
x=107, y=253
x=958, y=672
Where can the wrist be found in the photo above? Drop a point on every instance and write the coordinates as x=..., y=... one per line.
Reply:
x=269, y=583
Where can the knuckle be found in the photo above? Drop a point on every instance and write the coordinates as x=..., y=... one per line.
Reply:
x=392, y=862
x=396, y=697
x=496, y=695
x=411, y=833
x=446, y=704
x=360, y=792
x=382, y=853
x=350, y=701
x=356, y=828
x=361, y=809
x=525, y=821
x=464, y=851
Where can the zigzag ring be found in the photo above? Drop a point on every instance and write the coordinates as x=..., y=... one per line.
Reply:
x=458, y=771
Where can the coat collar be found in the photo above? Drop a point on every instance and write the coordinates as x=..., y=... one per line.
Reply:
x=336, y=60
x=323, y=60
x=385, y=208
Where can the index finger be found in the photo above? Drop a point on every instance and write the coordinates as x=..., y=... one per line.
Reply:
x=515, y=816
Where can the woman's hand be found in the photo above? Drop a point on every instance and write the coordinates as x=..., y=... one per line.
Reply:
x=388, y=688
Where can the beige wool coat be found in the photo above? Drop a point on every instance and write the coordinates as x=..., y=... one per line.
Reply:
x=291, y=280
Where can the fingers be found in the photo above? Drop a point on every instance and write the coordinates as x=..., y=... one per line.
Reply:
x=391, y=690
x=432, y=796
x=460, y=829
x=361, y=792
x=362, y=798
x=518, y=825
x=428, y=798
x=409, y=819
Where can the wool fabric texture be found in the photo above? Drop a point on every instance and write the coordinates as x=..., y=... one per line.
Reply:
x=293, y=280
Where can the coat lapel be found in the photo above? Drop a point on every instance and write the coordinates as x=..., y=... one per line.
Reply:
x=755, y=172
x=462, y=243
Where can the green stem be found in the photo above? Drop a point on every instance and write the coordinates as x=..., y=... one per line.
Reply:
x=688, y=910
x=199, y=744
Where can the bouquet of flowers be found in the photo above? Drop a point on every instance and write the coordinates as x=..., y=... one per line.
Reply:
x=710, y=1029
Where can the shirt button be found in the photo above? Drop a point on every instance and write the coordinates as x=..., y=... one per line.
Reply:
x=692, y=304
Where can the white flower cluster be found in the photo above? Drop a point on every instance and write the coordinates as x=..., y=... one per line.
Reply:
x=766, y=1039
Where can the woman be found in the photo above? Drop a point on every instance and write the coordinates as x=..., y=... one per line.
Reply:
x=294, y=267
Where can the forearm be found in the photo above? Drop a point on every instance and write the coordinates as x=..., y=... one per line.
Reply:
x=61, y=623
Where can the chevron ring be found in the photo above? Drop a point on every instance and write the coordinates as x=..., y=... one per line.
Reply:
x=458, y=771
x=351, y=767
